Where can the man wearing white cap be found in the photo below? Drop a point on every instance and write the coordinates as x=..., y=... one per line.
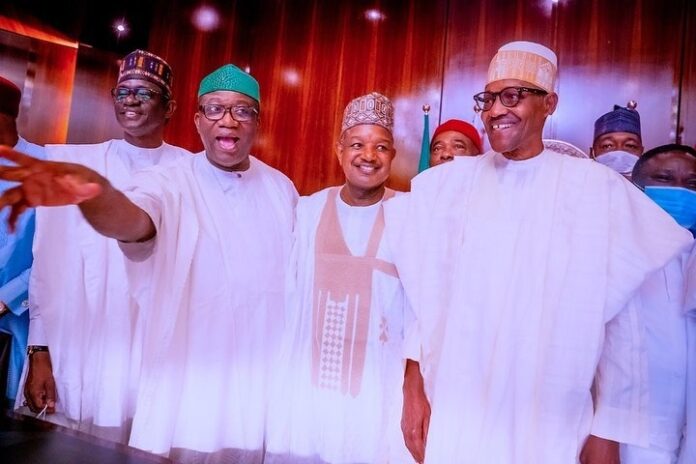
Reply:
x=525, y=299
x=338, y=380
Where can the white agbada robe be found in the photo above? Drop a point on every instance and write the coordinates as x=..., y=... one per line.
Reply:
x=688, y=449
x=212, y=282
x=520, y=274
x=660, y=301
x=315, y=417
x=80, y=305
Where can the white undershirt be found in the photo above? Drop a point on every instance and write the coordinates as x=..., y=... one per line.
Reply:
x=356, y=224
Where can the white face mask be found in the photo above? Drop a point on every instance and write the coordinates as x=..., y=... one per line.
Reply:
x=619, y=160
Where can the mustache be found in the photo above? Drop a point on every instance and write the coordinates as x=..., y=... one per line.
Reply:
x=503, y=119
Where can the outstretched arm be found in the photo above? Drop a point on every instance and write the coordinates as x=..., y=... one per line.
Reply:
x=50, y=183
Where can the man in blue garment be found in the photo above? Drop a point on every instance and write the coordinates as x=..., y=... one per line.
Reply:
x=15, y=247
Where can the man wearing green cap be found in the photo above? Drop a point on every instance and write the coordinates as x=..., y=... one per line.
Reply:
x=82, y=330
x=207, y=241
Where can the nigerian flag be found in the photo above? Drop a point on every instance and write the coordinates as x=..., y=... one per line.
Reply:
x=424, y=162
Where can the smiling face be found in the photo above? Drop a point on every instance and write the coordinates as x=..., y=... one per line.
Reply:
x=668, y=169
x=365, y=153
x=143, y=121
x=227, y=141
x=516, y=132
x=617, y=141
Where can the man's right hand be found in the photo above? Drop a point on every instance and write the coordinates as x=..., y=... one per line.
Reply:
x=415, y=418
x=40, y=387
x=45, y=183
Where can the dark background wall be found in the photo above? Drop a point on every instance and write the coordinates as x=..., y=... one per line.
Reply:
x=311, y=57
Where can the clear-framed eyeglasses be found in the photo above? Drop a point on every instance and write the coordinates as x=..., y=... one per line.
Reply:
x=240, y=113
x=142, y=94
x=509, y=97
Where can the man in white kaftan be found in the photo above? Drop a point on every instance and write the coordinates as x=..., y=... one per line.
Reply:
x=207, y=241
x=688, y=449
x=520, y=266
x=216, y=270
x=666, y=174
x=81, y=308
x=337, y=385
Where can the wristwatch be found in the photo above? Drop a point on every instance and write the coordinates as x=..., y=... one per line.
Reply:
x=31, y=349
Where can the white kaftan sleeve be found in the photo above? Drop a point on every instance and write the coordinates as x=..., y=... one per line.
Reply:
x=146, y=194
x=412, y=334
x=621, y=383
x=37, y=334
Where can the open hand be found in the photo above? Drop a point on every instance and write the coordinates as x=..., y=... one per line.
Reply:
x=44, y=183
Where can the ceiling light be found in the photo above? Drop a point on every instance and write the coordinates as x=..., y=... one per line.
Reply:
x=205, y=18
x=374, y=15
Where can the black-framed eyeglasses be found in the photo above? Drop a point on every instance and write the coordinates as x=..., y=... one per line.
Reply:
x=240, y=113
x=509, y=97
x=142, y=94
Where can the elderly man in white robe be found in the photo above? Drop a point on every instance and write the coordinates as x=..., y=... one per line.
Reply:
x=83, y=343
x=520, y=265
x=207, y=241
x=336, y=392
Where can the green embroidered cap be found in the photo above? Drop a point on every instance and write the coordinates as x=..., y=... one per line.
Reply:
x=230, y=77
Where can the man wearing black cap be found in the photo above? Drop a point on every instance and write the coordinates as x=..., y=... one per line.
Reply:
x=15, y=248
x=617, y=139
x=83, y=345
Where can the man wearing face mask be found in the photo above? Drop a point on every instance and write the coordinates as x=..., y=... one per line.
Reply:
x=617, y=140
x=667, y=174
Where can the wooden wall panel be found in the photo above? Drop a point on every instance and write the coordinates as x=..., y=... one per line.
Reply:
x=475, y=31
x=685, y=100
x=92, y=118
x=312, y=57
x=44, y=71
x=609, y=53
x=613, y=52
x=54, y=71
x=193, y=54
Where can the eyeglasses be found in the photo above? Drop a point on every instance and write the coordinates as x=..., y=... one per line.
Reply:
x=240, y=113
x=509, y=97
x=142, y=94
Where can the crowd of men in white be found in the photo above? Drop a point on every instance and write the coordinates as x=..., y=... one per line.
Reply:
x=516, y=306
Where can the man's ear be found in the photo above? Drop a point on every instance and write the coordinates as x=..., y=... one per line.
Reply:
x=170, y=109
x=592, y=155
x=550, y=103
x=197, y=121
x=338, y=149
